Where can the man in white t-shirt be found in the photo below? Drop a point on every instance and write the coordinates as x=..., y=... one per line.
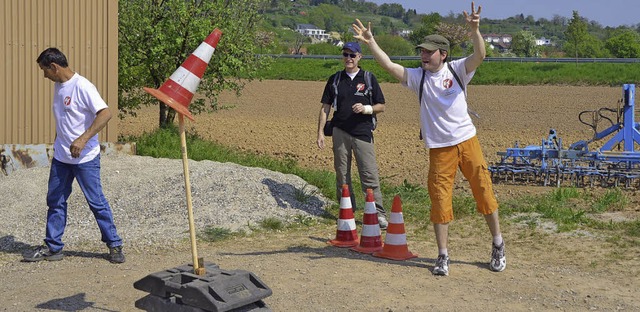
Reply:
x=80, y=113
x=448, y=131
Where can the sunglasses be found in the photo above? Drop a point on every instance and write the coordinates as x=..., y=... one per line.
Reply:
x=351, y=55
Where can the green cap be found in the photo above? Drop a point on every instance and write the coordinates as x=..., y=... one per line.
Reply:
x=434, y=42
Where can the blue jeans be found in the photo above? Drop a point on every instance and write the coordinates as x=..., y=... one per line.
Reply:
x=87, y=174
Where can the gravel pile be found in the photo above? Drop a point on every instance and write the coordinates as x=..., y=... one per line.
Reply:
x=148, y=199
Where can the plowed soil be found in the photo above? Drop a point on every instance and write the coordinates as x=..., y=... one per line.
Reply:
x=279, y=118
x=546, y=270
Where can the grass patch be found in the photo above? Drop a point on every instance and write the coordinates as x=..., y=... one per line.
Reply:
x=303, y=195
x=570, y=209
x=272, y=224
x=612, y=200
x=216, y=234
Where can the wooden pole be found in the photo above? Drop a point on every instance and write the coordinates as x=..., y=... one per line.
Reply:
x=197, y=266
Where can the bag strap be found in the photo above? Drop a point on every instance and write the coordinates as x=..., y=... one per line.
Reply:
x=421, y=88
x=420, y=96
x=463, y=89
x=336, y=81
x=457, y=79
x=367, y=80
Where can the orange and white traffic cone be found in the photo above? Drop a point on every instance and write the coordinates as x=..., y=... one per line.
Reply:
x=346, y=235
x=178, y=90
x=370, y=239
x=395, y=243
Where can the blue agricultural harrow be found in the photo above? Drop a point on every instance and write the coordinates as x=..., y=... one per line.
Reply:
x=551, y=164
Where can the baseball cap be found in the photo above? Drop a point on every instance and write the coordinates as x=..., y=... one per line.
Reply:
x=434, y=42
x=353, y=46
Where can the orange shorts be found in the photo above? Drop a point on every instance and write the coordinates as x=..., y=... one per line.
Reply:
x=443, y=166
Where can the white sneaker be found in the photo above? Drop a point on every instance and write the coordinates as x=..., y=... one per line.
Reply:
x=382, y=221
x=498, y=259
x=442, y=266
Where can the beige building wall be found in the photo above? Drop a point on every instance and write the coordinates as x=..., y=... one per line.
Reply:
x=86, y=31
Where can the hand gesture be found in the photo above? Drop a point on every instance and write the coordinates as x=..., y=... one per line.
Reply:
x=473, y=19
x=362, y=33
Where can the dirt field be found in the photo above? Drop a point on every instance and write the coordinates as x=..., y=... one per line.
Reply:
x=546, y=271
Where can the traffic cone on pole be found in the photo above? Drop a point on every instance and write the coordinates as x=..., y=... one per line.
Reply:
x=346, y=235
x=370, y=239
x=395, y=243
x=178, y=90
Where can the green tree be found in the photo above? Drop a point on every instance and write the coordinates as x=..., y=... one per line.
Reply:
x=576, y=35
x=428, y=27
x=589, y=47
x=326, y=16
x=524, y=44
x=386, y=23
x=487, y=46
x=393, y=10
x=595, y=48
x=347, y=36
x=393, y=45
x=410, y=16
x=626, y=44
x=155, y=37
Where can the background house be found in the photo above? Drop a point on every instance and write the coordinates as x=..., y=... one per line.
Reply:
x=500, y=42
x=404, y=33
x=313, y=32
x=544, y=42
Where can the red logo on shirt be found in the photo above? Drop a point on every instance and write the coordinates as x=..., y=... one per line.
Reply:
x=447, y=83
x=67, y=101
x=360, y=87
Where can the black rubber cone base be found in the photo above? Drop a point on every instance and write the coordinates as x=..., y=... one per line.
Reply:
x=179, y=289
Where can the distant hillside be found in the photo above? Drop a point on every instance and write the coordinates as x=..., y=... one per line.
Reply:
x=335, y=17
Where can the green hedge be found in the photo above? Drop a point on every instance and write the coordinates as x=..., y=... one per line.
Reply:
x=489, y=73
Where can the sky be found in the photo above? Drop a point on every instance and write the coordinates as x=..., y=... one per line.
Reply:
x=606, y=12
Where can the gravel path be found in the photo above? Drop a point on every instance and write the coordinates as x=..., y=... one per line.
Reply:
x=147, y=196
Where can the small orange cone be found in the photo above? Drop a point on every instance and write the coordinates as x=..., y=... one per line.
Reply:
x=178, y=90
x=370, y=239
x=395, y=243
x=346, y=235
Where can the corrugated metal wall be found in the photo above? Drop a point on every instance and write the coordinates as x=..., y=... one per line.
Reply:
x=86, y=31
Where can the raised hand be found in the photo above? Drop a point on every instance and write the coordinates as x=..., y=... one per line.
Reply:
x=473, y=19
x=362, y=33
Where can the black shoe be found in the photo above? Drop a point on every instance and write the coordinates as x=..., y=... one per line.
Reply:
x=116, y=255
x=42, y=253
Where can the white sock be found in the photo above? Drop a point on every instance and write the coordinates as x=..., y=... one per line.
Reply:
x=443, y=252
x=497, y=240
